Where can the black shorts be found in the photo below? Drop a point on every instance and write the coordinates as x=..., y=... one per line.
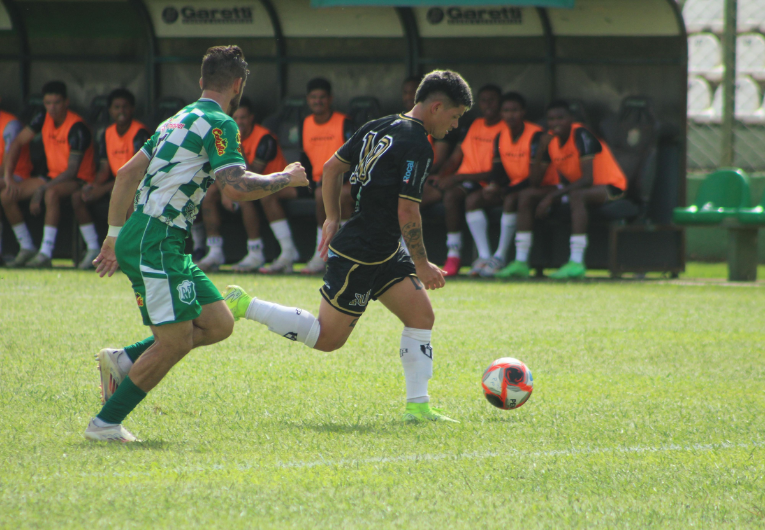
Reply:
x=307, y=192
x=348, y=286
x=469, y=186
x=509, y=190
x=614, y=193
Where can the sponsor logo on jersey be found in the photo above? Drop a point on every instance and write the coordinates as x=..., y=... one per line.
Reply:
x=239, y=142
x=220, y=142
x=139, y=299
x=409, y=169
x=187, y=292
x=361, y=299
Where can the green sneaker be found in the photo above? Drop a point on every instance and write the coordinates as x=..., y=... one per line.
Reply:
x=422, y=411
x=237, y=300
x=569, y=270
x=517, y=269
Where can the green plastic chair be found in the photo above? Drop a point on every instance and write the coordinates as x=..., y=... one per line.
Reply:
x=753, y=216
x=722, y=194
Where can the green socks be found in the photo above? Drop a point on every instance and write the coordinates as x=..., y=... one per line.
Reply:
x=123, y=401
x=134, y=351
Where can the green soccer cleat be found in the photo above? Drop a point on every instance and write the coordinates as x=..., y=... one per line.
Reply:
x=237, y=301
x=569, y=270
x=422, y=411
x=517, y=269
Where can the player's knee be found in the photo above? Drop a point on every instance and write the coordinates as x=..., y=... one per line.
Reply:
x=52, y=196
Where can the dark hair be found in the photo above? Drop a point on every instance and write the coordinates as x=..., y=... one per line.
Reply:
x=559, y=104
x=412, y=79
x=121, y=93
x=515, y=96
x=246, y=103
x=318, y=83
x=491, y=88
x=221, y=66
x=447, y=83
x=54, y=87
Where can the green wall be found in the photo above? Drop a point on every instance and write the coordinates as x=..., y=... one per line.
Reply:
x=710, y=244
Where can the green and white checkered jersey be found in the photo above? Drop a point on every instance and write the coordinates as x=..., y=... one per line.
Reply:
x=184, y=153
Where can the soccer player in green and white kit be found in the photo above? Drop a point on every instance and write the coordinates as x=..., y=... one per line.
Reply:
x=176, y=166
x=390, y=159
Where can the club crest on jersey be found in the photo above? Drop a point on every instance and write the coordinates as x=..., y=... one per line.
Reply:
x=139, y=299
x=187, y=293
x=220, y=142
x=361, y=299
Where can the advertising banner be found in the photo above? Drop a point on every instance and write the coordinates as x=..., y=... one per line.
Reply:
x=194, y=18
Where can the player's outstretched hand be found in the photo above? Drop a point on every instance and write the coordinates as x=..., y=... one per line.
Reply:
x=431, y=276
x=296, y=171
x=106, y=261
x=328, y=231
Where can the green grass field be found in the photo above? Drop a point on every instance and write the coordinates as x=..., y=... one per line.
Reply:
x=647, y=413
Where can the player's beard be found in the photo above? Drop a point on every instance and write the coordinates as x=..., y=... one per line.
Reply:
x=234, y=103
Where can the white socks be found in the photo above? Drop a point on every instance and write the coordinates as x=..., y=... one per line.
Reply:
x=289, y=322
x=255, y=246
x=578, y=243
x=417, y=360
x=318, y=240
x=198, y=236
x=49, y=240
x=522, y=246
x=478, y=224
x=90, y=235
x=283, y=234
x=507, y=228
x=453, y=244
x=215, y=243
x=23, y=236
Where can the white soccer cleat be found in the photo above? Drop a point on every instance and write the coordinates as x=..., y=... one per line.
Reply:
x=315, y=266
x=477, y=267
x=211, y=262
x=87, y=261
x=110, y=433
x=492, y=267
x=111, y=373
x=283, y=264
x=250, y=263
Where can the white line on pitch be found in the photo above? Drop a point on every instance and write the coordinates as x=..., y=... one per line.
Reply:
x=438, y=457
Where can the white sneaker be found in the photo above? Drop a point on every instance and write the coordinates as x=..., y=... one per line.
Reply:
x=251, y=262
x=87, y=262
x=477, y=267
x=315, y=266
x=282, y=264
x=212, y=261
x=111, y=433
x=492, y=267
x=111, y=373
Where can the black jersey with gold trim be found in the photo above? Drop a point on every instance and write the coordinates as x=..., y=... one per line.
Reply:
x=390, y=158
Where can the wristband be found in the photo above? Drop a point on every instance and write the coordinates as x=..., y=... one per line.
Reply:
x=113, y=231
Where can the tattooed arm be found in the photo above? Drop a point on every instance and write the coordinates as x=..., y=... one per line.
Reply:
x=411, y=228
x=241, y=185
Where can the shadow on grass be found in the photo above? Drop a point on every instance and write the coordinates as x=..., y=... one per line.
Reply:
x=340, y=428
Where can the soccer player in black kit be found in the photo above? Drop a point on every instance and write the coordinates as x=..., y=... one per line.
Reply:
x=390, y=158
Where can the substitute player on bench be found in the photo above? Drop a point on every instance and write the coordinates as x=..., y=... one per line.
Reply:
x=119, y=142
x=197, y=146
x=514, y=151
x=590, y=176
x=390, y=158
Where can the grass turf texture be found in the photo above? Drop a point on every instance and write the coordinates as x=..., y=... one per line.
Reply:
x=646, y=413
